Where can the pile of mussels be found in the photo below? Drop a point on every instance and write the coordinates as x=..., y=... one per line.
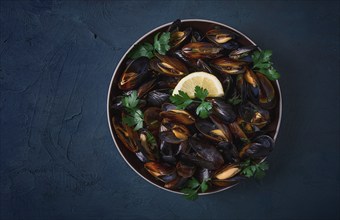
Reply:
x=186, y=145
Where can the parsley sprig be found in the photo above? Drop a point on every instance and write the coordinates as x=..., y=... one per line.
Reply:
x=134, y=115
x=257, y=170
x=182, y=100
x=160, y=45
x=263, y=64
x=192, y=188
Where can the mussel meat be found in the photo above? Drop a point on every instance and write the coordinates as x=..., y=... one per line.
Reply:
x=201, y=50
x=219, y=36
x=228, y=66
x=134, y=74
x=179, y=116
x=168, y=65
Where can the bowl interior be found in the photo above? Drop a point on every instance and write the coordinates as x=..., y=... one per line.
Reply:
x=203, y=26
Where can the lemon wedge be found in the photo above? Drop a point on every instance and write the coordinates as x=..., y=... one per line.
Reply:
x=202, y=79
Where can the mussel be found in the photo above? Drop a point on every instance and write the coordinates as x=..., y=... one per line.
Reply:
x=152, y=119
x=179, y=116
x=227, y=172
x=242, y=53
x=252, y=85
x=267, y=93
x=185, y=170
x=149, y=147
x=210, y=130
x=228, y=66
x=206, y=155
x=219, y=36
x=179, y=37
x=253, y=114
x=127, y=135
x=157, y=98
x=259, y=149
x=134, y=74
x=161, y=171
x=201, y=50
x=168, y=65
x=223, y=111
x=229, y=152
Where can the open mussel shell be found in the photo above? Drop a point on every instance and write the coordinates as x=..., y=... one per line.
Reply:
x=134, y=74
x=201, y=50
x=177, y=38
x=242, y=53
x=228, y=66
x=210, y=130
x=228, y=182
x=127, y=135
x=179, y=116
x=185, y=170
x=150, y=149
x=237, y=132
x=177, y=183
x=161, y=171
x=146, y=87
x=252, y=85
x=267, y=96
x=254, y=115
x=170, y=66
x=259, y=148
x=219, y=36
x=227, y=172
x=152, y=119
x=180, y=131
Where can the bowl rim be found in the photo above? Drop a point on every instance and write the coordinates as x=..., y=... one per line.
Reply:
x=120, y=62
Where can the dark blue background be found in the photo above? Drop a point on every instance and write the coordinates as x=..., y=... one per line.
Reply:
x=58, y=160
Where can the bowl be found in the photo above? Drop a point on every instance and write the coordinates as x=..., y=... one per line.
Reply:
x=130, y=158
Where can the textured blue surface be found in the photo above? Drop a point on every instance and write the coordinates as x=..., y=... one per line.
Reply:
x=58, y=160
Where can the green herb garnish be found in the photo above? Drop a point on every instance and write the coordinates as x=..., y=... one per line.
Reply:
x=134, y=115
x=262, y=64
x=192, y=188
x=160, y=45
x=182, y=100
x=250, y=169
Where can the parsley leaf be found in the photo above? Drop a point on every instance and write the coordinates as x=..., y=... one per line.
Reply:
x=203, y=109
x=135, y=116
x=192, y=188
x=201, y=93
x=182, y=100
x=144, y=50
x=262, y=64
x=160, y=44
x=250, y=169
x=131, y=101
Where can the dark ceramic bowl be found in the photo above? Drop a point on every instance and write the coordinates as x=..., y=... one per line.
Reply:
x=130, y=158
